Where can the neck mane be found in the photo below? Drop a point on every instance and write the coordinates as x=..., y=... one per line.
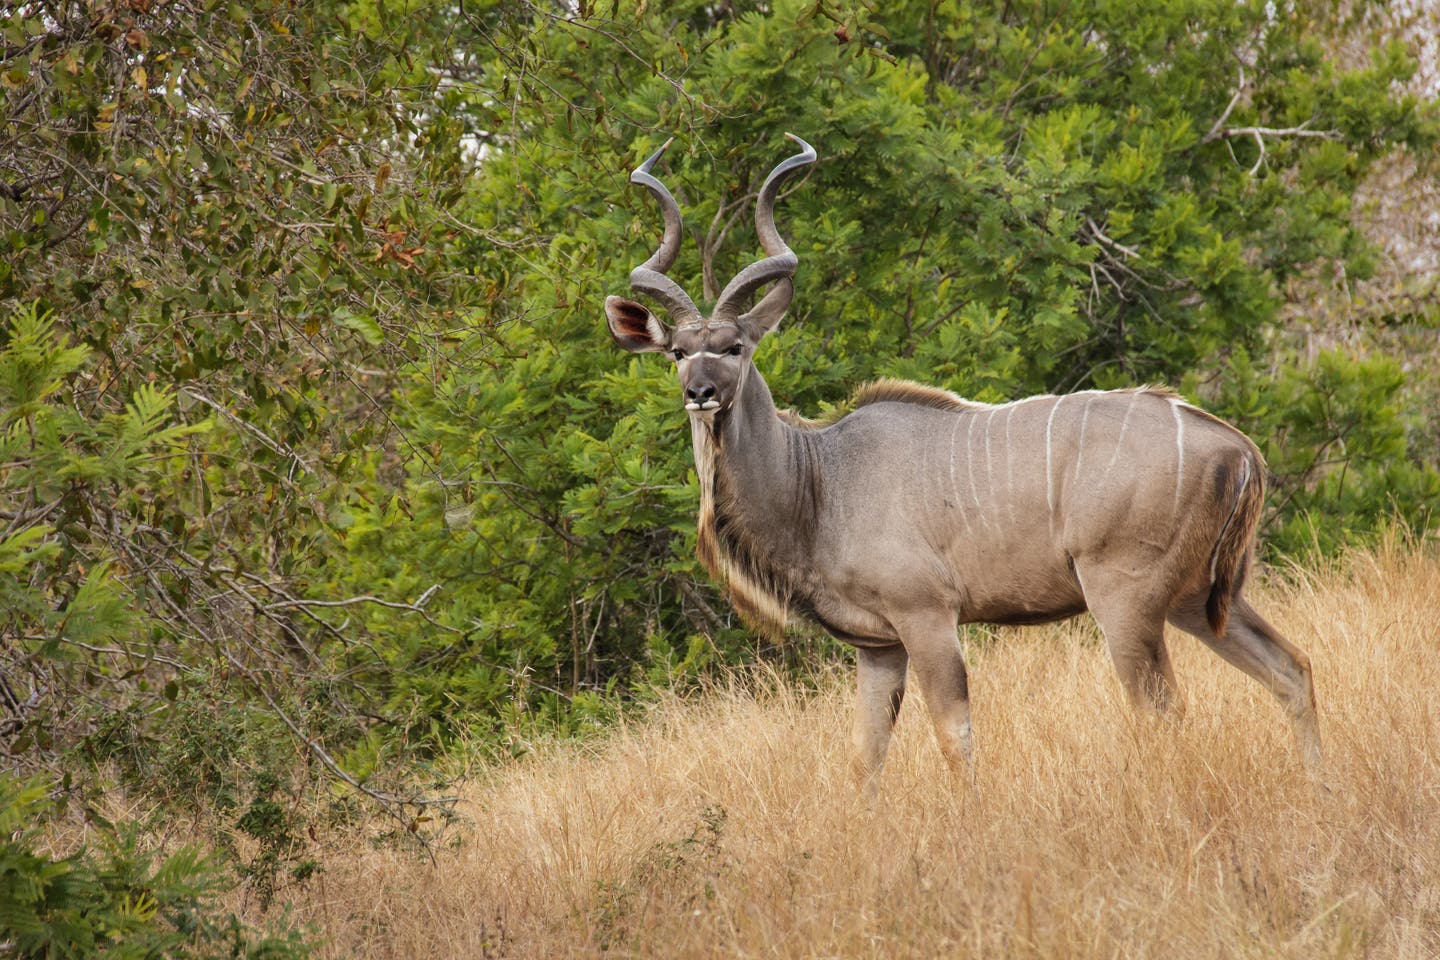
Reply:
x=760, y=496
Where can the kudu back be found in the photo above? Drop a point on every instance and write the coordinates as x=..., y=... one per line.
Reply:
x=919, y=511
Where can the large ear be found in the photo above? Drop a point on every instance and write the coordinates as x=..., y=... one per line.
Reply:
x=762, y=317
x=634, y=327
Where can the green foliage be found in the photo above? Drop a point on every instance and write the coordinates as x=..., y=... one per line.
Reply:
x=1039, y=198
x=272, y=826
x=119, y=901
x=310, y=420
x=223, y=227
x=61, y=591
x=73, y=617
x=1339, y=446
x=221, y=761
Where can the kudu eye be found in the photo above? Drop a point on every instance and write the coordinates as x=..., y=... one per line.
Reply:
x=736, y=350
x=678, y=355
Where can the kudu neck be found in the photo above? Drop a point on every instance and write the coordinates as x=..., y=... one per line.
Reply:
x=770, y=468
x=751, y=428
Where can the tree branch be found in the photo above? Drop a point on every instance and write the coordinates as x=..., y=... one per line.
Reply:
x=1219, y=131
x=1215, y=128
x=275, y=445
x=1099, y=235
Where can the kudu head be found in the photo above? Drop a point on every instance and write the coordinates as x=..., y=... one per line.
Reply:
x=711, y=354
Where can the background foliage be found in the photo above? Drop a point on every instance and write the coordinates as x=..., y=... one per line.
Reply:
x=312, y=435
x=118, y=902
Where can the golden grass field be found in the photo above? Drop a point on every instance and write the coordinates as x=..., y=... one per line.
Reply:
x=728, y=825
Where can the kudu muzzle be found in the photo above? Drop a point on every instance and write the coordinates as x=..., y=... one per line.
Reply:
x=700, y=396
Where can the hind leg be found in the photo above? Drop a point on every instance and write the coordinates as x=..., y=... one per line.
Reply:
x=1258, y=649
x=879, y=690
x=1132, y=618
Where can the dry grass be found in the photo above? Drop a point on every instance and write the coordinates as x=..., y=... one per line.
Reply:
x=729, y=825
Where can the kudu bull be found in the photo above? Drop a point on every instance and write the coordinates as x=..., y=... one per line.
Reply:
x=920, y=510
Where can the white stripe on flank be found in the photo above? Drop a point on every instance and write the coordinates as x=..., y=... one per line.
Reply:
x=1179, y=454
x=1010, y=463
x=989, y=464
x=1134, y=397
x=1080, y=453
x=1049, y=487
x=955, y=490
x=970, y=466
x=980, y=406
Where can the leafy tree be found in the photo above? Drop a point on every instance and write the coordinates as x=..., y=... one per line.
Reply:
x=1040, y=198
x=224, y=227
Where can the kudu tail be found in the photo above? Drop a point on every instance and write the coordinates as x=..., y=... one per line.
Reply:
x=1230, y=561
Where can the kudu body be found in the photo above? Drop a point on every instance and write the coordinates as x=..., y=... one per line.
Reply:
x=919, y=510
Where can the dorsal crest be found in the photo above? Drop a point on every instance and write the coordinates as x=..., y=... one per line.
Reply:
x=884, y=390
x=890, y=390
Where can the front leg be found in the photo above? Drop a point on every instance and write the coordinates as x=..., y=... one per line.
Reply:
x=934, y=646
x=879, y=690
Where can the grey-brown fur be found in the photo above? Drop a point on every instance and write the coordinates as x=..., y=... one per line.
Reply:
x=918, y=510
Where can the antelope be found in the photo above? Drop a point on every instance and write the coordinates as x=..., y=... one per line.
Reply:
x=918, y=511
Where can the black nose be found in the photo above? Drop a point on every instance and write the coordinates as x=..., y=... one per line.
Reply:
x=699, y=393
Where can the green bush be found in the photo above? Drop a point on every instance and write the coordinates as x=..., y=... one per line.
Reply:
x=118, y=901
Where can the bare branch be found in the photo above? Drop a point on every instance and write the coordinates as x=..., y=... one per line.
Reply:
x=1099, y=235
x=393, y=804
x=1219, y=131
x=19, y=519
x=714, y=239
x=417, y=607
x=1302, y=130
x=116, y=651
x=706, y=611
x=1218, y=125
x=276, y=445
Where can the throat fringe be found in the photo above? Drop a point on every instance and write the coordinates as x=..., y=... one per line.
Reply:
x=760, y=597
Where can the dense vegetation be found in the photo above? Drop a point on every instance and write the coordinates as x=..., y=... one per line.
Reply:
x=314, y=453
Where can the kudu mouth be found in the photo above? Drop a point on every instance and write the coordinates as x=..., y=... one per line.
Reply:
x=779, y=262
x=707, y=400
